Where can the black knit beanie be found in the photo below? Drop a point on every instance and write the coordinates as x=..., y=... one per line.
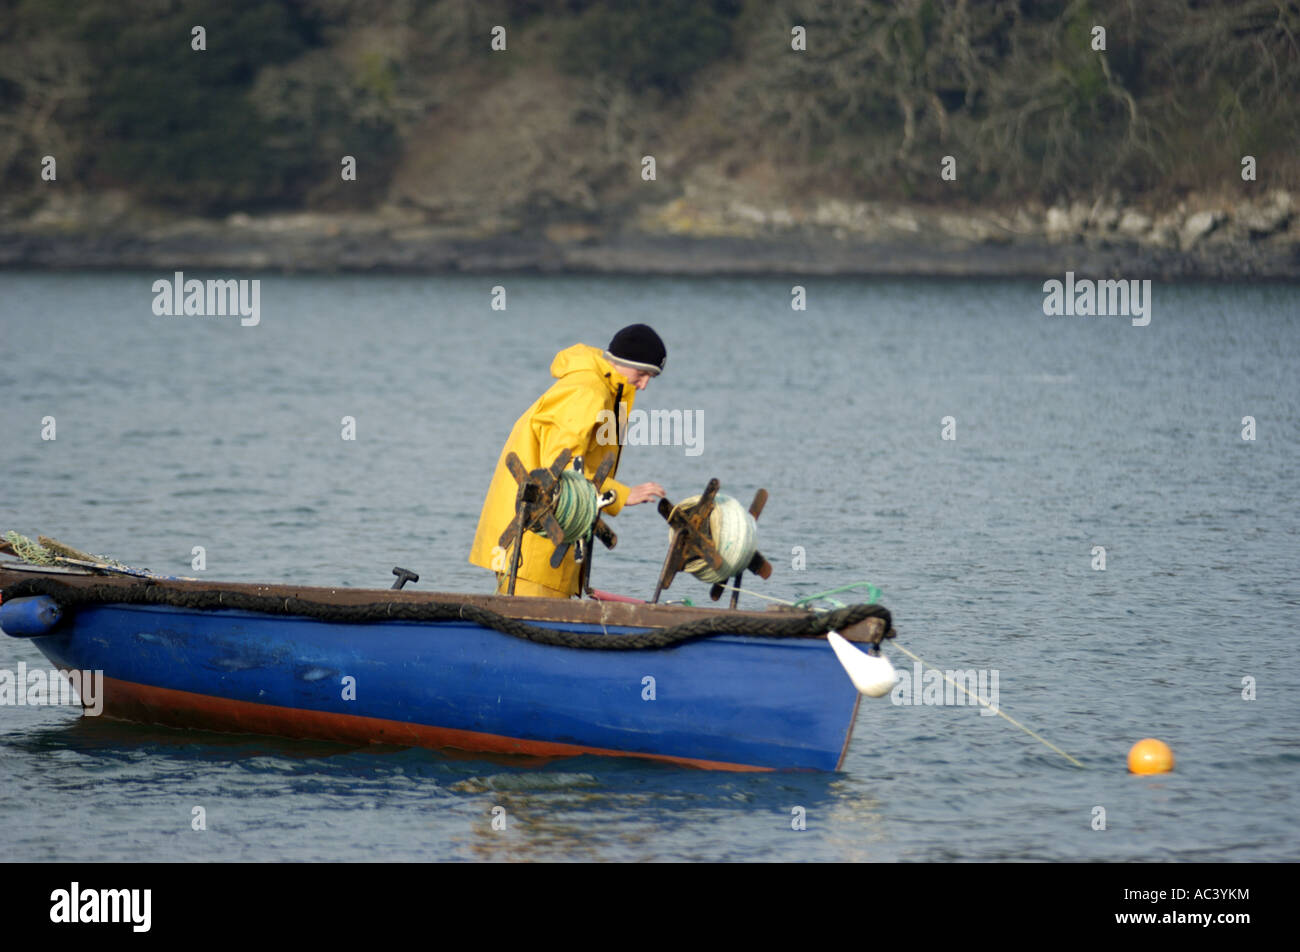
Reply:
x=639, y=347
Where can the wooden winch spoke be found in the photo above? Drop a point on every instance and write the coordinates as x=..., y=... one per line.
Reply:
x=602, y=472
x=605, y=534
x=557, y=468
x=516, y=467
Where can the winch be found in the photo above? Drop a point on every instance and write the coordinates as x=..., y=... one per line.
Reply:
x=560, y=503
x=713, y=538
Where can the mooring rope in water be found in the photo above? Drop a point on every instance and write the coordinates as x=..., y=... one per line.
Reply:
x=894, y=641
x=734, y=533
x=995, y=710
x=576, y=506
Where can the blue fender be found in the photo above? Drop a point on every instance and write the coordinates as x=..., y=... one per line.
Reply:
x=30, y=617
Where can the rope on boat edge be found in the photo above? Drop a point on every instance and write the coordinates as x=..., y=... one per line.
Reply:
x=148, y=593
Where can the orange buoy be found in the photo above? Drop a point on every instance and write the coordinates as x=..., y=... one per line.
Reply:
x=1150, y=756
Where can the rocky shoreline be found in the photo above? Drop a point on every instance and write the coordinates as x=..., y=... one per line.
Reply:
x=703, y=231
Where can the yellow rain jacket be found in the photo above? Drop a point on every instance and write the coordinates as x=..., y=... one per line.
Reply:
x=567, y=416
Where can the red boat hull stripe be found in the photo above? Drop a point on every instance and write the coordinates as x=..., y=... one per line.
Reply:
x=126, y=700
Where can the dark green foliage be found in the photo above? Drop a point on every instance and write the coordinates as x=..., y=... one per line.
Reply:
x=181, y=126
x=1016, y=91
x=649, y=45
x=177, y=123
x=884, y=90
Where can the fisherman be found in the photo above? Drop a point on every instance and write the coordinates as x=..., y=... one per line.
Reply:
x=574, y=414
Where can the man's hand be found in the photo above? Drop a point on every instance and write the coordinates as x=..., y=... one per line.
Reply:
x=644, y=493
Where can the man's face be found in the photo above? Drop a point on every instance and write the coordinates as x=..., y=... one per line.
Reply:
x=637, y=378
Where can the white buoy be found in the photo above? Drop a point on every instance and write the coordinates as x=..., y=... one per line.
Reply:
x=872, y=675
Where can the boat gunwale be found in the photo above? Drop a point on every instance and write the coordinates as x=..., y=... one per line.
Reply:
x=531, y=609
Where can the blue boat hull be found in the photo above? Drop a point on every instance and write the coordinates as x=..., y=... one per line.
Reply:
x=728, y=702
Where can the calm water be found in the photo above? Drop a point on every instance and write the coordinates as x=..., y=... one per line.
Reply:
x=1071, y=433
